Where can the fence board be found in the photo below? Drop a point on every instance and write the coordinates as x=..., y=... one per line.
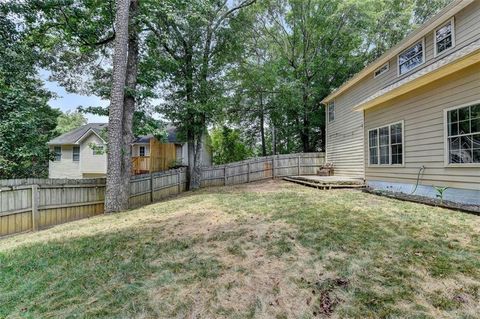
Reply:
x=65, y=200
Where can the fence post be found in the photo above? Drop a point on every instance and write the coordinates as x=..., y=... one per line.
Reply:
x=151, y=187
x=35, y=204
x=248, y=172
x=298, y=165
x=179, y=182
x=225, y=175
x=273, y=166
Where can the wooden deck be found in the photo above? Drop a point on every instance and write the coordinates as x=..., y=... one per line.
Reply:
x=327, y=182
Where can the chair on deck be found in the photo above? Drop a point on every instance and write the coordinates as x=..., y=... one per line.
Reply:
x=326, y=170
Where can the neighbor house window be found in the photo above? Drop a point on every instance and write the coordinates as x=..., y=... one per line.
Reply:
x=58, y=153
x=98, y=150
x=444, y=37
x=76, y=153
x=331, y=112
x=383, y=69
x=385, y=145
x=142, y=150
x=463, y=140
x=411, y=57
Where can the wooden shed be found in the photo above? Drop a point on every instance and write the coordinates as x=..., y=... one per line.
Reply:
x=150, y=155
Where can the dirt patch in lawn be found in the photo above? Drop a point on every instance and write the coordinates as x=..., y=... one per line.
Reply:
x=264, y=272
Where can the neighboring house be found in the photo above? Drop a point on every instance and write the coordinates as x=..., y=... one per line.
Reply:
x=80, y=153
x=413, y=115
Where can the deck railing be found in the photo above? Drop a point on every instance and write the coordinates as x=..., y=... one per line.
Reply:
x=140, y=164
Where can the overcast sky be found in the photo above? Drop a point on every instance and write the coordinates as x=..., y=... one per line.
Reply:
x=68, y=101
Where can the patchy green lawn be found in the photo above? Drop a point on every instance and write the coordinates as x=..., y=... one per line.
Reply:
x=271, y=250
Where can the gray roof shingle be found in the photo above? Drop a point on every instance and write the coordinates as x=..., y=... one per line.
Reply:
x=171, y=137
x=73, y=136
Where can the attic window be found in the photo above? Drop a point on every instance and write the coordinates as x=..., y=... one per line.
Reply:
x=444, y=37
x=383, y=69
x=411, y=57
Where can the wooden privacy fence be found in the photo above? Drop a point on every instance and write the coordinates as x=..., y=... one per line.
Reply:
x=33, y=204
x=149, y=188
x=262, y=168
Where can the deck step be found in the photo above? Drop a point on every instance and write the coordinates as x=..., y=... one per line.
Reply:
x=325, y=184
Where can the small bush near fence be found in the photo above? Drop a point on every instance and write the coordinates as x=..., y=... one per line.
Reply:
x=33, y=204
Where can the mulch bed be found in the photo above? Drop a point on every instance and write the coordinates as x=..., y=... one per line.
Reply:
x=472, y=209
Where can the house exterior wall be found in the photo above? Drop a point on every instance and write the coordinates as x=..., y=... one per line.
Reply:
x=66, y=167
x=90, y=163
x=345, y=135
x=422, y=112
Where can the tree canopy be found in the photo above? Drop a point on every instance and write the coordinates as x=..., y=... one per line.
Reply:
x=27, y=122
x=69, y=120
x=257, y=69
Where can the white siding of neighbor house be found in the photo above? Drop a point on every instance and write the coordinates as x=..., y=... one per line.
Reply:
x=345, y=135
x=66, y=167
x=422, y=111
x=89, y=163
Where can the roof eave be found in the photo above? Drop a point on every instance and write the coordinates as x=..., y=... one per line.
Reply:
x=84, y=135
x=463, y=62
x=414, y=36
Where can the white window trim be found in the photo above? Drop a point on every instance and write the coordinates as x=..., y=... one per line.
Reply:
x=328, y=111
x=377, y=75
x=61, y=153
x=389, y=145
x=445, y=137
x=144, y=150
x=435, y=53
x=73, y=160
x=422, y=40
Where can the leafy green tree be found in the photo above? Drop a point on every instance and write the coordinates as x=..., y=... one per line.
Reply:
x=298, y=51
x=228, y=146
x=193, y=44
x=78, y=38
x=69, y=121
x=27, y=122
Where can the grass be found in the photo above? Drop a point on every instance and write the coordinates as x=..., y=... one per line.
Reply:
x=272, y=250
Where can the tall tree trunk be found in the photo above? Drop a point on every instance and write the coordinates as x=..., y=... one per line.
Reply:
x=190, y=115
x=114, y=200
x=130, y=99
x=196, y=171
x=262, y=125
x=304, y=133
x=274, y=141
